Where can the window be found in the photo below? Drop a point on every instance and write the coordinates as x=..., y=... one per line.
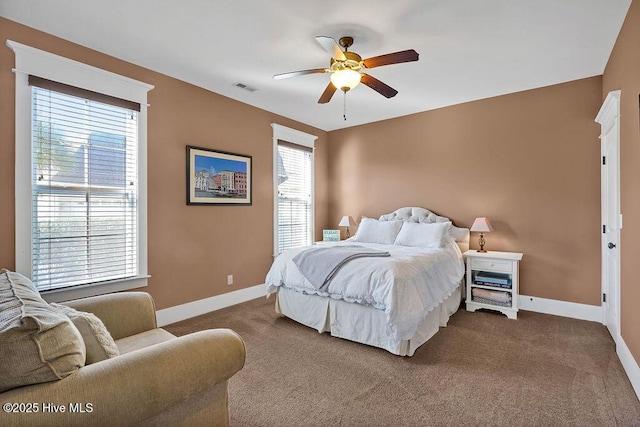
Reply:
x=80, y=177
x=293, y=181
x=295, y=203
x=84, y=178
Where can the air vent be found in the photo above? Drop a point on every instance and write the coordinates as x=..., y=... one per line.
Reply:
x=245, y=87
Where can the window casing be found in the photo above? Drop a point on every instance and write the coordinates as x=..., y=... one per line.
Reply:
x=80, y=176
x=293, y=184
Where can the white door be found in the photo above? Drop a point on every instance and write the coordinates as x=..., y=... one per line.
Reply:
x=609, y=119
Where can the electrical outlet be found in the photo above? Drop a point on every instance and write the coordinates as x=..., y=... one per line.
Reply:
x=230, y=279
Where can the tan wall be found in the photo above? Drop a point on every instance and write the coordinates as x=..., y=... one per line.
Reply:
x=623, y=72
x=191, y=248
x=529, y=161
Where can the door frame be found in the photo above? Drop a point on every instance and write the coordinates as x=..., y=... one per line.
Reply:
x=609, y=119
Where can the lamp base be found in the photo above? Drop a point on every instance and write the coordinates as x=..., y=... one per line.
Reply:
x=481, y=242
x=481, y=250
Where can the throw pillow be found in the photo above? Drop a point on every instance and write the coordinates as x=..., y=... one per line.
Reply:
x=39, y=343
x=97, y=339
x=373, y=231
x=422, y=235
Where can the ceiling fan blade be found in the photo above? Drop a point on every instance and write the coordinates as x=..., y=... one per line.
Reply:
x=391, y=58
x=332, y=47
x=375, y=84
x=300, y=73
x=327, y=94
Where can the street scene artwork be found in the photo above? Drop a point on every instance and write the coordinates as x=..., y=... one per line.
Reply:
x=217, y=177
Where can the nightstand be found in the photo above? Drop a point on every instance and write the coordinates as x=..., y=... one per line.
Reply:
x=492, y=281
x=326, y=242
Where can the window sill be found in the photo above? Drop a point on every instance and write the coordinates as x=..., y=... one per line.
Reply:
x=66, y=294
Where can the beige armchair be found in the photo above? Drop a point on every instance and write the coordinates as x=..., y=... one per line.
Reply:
x=158, y=379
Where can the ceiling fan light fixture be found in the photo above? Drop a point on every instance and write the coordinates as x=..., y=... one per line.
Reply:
x=345, y=79
x=346, y=66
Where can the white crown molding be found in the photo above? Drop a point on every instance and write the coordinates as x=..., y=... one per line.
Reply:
x=292, y=135
x=30, y=60
x=610, y=110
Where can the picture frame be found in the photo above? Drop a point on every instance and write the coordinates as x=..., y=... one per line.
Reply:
x=330, y=235
x=218, y=177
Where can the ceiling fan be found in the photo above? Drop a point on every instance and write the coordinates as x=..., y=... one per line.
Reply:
x=346, y=68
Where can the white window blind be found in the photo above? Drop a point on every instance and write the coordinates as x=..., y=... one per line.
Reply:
x=84, y=186
x=295, y=202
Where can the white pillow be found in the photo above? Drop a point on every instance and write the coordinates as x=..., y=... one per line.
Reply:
x=373, y=231
x=423, y=235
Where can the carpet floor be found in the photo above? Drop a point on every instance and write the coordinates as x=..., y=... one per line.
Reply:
x=482, y=369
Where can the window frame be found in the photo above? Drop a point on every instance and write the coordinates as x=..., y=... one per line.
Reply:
x=295, y=137
x=32, y=61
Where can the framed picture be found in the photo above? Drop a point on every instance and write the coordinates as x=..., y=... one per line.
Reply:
x=330, y=235
x=217, y=177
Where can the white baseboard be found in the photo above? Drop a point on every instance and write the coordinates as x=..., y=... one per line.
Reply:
x=561, y=308
x=629, y=364
x=177, y=313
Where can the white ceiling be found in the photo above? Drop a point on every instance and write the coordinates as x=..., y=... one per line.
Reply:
x=469, y=49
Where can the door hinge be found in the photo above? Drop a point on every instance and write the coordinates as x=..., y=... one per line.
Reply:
x=604, y=297
x=604, y=160
x=604, y=229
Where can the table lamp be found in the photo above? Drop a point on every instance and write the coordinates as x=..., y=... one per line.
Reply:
x=483, y=226
x=347, y=221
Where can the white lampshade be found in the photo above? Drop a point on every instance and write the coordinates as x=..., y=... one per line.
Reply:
x=345, y=79
x=347, y=221
x=481, y=224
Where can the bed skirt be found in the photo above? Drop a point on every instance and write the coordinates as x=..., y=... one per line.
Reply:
x=363, y=324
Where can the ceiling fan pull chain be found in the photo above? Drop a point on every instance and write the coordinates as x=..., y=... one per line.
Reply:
x=344, y=106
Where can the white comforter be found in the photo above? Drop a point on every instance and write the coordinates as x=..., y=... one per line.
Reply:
x=407, y=285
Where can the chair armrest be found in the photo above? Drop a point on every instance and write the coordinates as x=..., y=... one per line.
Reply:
x=131, y=388
x=124, y=314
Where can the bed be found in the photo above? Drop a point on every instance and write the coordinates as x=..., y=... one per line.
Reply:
x=403, y=285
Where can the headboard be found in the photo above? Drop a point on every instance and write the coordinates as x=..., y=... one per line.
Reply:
x=415, y=214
